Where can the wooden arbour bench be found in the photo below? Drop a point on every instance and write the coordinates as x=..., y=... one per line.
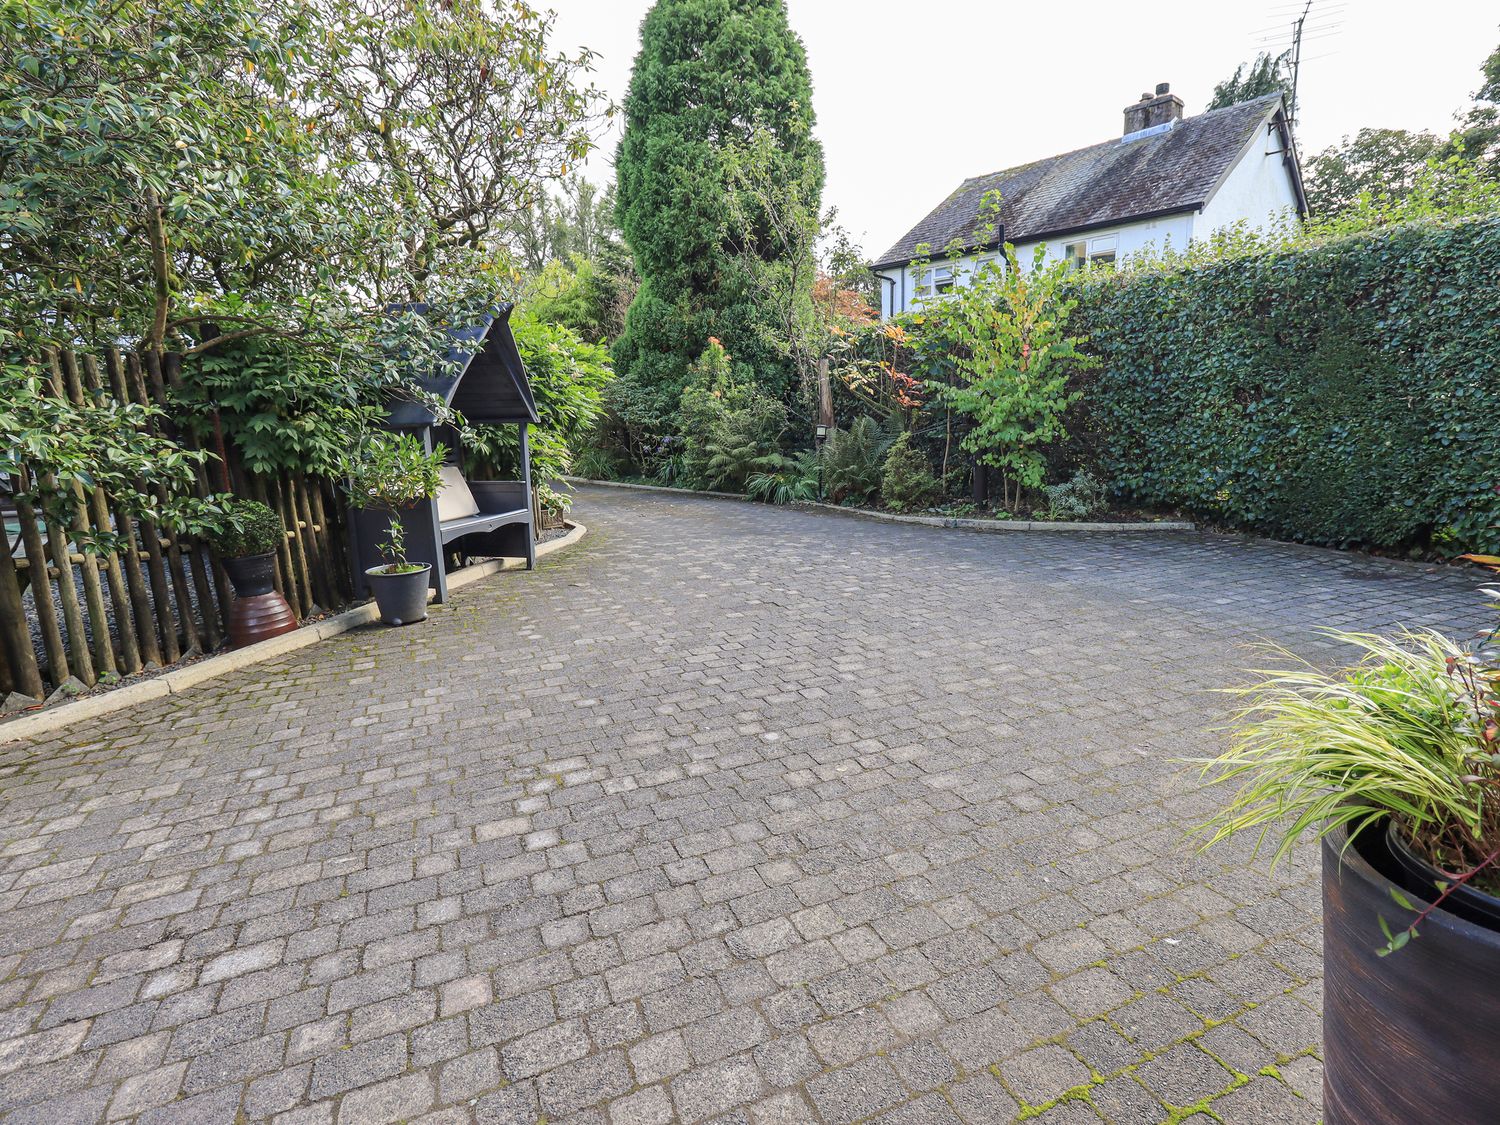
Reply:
x=486, y=382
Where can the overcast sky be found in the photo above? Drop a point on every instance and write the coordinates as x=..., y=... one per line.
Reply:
x=913, y=96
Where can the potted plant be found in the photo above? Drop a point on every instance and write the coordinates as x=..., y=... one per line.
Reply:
x=391, y=473
x=1392, y=764
x=245, y=536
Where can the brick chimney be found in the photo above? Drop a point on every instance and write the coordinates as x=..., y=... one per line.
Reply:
x=1155, y=109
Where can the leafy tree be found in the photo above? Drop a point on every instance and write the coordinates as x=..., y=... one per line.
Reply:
x=578, y=221
x=170, y=164
x=1478, y=134
x=1268, y=74
x=711, y=77
x=1013, y=362
x=148, y=151
x=452, y=110
x=1379, y=170
x=1375, y=162
x=590, y=297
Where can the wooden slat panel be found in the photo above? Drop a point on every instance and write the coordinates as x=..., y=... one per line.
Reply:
x=23, y=675
x=140, y=603
x=93, y=591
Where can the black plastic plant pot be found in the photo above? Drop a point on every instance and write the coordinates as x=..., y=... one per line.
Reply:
x=252, y=575
x=1409, y=1037
x=1422, y=879
x=401, y=598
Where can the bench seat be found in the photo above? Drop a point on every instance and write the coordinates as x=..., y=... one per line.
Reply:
x=480, y=522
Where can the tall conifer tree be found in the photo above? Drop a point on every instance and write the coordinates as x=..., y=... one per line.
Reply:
x=708, y=75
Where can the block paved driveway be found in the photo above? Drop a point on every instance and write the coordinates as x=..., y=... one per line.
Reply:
x=727, y=813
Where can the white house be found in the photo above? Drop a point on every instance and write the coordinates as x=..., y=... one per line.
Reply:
x=1168, y=180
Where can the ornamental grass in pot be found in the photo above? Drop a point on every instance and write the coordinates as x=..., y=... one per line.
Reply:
x=245, y=536
x=391, y=474
x=1391, y=764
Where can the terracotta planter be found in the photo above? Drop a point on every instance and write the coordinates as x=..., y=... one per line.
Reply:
x=257, y=612
x=1410, y=1037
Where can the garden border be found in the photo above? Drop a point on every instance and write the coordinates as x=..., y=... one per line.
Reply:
x=923, y=521
x=30, y=724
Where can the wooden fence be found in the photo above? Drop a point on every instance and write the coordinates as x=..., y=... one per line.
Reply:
x=160, y=597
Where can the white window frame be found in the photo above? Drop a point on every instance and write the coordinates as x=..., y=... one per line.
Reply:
x=936, y=279
x=1083, y=252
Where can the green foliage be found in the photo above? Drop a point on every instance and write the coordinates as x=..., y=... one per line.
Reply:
x=1397, y=734
x=50, y=448
x=785, y=480
x=244, y=528
x=852, y=461
x=1374, y=163
x=588, y=297
x=193, y=173
x=744, y=438
x=387, y=473
x=1268, y=74
x=1377, y=173
x=1478, y=135
x=568, y=377
x=710, y=73
x=283, y=406
x=576, y=223
x=906, y=482
x=1339, y=392
x=1013, y=360
x=1081, y=498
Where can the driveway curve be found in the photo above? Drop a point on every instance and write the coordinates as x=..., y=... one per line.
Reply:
x=729, y=813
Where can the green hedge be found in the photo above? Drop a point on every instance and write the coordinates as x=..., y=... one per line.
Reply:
x=1343, y=393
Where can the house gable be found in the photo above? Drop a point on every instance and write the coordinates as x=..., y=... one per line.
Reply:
x=1165, y=170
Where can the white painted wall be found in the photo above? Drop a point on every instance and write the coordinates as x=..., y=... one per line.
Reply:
x=1124, y=240
x=1257, y=192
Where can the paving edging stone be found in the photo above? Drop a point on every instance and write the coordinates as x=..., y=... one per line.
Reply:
x=924, y=521
x=30, y=724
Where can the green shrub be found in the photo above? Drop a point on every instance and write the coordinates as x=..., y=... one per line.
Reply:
x=387, y=472
x=907, y=483
x=851, y=461
x=785, y=480
x=744, y=439
x=1339, y=393
x=1079, y=499
x=247, y=527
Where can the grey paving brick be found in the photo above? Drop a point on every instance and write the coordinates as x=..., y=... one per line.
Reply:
x=584, y=1082
x=856, y=1091
x=712, y=1090
x=691, y=846
x=358, y=1066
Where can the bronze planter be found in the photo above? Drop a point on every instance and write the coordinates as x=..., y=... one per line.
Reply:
x=1413, y=1036
x=257, y=612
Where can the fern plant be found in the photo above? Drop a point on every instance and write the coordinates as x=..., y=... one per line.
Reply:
x=852, y=461
x=785, y=480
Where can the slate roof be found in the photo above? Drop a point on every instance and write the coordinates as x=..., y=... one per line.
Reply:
x=1105, y=183
x=485, y=379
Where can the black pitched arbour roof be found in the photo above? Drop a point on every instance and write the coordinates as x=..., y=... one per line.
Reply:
x=484, y=379
x=1113, y=182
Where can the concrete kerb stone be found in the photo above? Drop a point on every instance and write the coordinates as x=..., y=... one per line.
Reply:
x=924, y=521
x=36, y=723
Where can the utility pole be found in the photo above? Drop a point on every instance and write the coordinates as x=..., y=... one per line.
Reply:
x=1297, y=56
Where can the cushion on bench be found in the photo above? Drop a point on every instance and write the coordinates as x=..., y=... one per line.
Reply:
x=454, y=500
